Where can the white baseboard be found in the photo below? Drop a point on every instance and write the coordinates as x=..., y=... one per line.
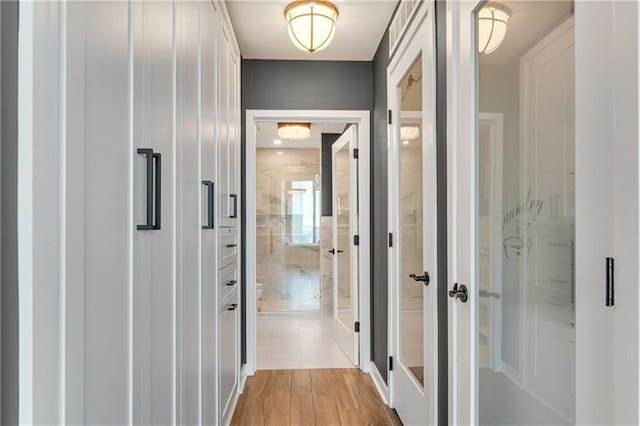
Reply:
x=383, y=390
x=234, y=403
x=244, y=375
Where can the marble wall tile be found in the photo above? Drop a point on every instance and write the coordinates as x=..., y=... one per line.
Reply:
x=326, y=264
x=288, y=241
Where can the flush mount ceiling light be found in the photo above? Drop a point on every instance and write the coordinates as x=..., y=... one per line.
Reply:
x=294, y=131
x=311, y=24
x=492, y=26
x=408, y=133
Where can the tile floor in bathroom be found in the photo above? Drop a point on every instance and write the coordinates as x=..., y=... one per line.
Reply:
x=298, y=340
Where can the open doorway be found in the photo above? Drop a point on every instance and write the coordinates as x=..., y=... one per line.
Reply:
x=305, y=266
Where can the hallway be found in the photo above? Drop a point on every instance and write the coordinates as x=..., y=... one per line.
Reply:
x=312, y=397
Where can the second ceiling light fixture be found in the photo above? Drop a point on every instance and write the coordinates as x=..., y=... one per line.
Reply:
x=311, y=24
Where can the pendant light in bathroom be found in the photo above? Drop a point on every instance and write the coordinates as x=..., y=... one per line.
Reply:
x=311, y=24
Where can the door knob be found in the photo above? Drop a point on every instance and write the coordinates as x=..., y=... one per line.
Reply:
x=334, y=251
x=425, y=278
x=459, y=292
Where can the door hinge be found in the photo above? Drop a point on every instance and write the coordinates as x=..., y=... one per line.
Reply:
x=356, y=326
x=390, y=239
x=390, y=363
x=390, y=121
x=356, y=153
x=356, y=240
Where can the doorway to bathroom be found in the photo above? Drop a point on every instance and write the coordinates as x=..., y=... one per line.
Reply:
x=305, y=263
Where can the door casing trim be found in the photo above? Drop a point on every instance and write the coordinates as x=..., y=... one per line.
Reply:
x=362, y=119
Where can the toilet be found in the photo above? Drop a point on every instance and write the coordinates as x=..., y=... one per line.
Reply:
x=259, y=289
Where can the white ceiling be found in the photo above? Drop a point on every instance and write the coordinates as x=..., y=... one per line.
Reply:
x=267, y=132
x=262, y=31
x=530, y=21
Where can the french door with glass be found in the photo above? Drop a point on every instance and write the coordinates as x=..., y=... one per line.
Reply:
x=412, y=223
x=532, y=335
x=345, y=250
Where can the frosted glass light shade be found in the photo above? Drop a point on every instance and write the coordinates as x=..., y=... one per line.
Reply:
x=493, y=19
x=408, y=133
x=294, y=131
x=311, y=24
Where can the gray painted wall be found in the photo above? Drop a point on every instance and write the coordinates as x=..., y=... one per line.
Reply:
x=346, y=85
x=9, y=221
x=379, y=232
x=326, y=189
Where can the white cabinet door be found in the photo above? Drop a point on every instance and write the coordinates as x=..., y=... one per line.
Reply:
x=208, y=159
x=224, y=167
x=229, y=356
x=153, y=273
x=188, y=211
x=229, y=129
x=102, y=238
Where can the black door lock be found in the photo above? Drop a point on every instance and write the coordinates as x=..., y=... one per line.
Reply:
x=459, y=292
x=425, y=278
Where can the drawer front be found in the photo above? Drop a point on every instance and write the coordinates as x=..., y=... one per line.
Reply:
x=228, y=250
x=227, y=281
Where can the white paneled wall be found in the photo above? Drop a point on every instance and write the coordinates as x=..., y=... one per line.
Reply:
x=129, y=179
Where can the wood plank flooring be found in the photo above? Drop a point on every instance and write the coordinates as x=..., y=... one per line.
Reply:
x=324, y=397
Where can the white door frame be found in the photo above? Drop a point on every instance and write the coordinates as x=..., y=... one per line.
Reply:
x=362, y=120
x=607, y=382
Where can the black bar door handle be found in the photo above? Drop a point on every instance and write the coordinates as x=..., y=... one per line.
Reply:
x=234, y=197
x=157, y=159
x=334, y=251
x=231, y=245
x=153, y=204
x=210, y=206
x=232, y=283
x=232, y=307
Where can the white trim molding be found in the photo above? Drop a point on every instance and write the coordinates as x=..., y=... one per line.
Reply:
x=383, y=390
x=362, y=120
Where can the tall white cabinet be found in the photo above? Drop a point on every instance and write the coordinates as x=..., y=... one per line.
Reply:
x=129, y=237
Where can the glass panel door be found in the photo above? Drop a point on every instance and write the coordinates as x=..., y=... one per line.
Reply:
x=412, y=223
x=411, y=220
x=525, y=169
x=345, y=252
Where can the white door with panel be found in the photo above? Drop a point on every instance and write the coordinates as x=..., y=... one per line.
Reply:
x=412, y=223
x=516, y=355
x=345, y=253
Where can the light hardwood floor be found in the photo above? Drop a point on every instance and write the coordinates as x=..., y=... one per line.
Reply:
x=324, y=397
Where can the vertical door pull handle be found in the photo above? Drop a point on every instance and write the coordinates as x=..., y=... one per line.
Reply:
x=234, y=197
x=157, y=159
x=210, y=206
x=610, y=281
x=154, y=179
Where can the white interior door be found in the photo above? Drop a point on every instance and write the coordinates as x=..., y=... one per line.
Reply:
x=345, y=252
x=514, y=354
x=412, y=213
